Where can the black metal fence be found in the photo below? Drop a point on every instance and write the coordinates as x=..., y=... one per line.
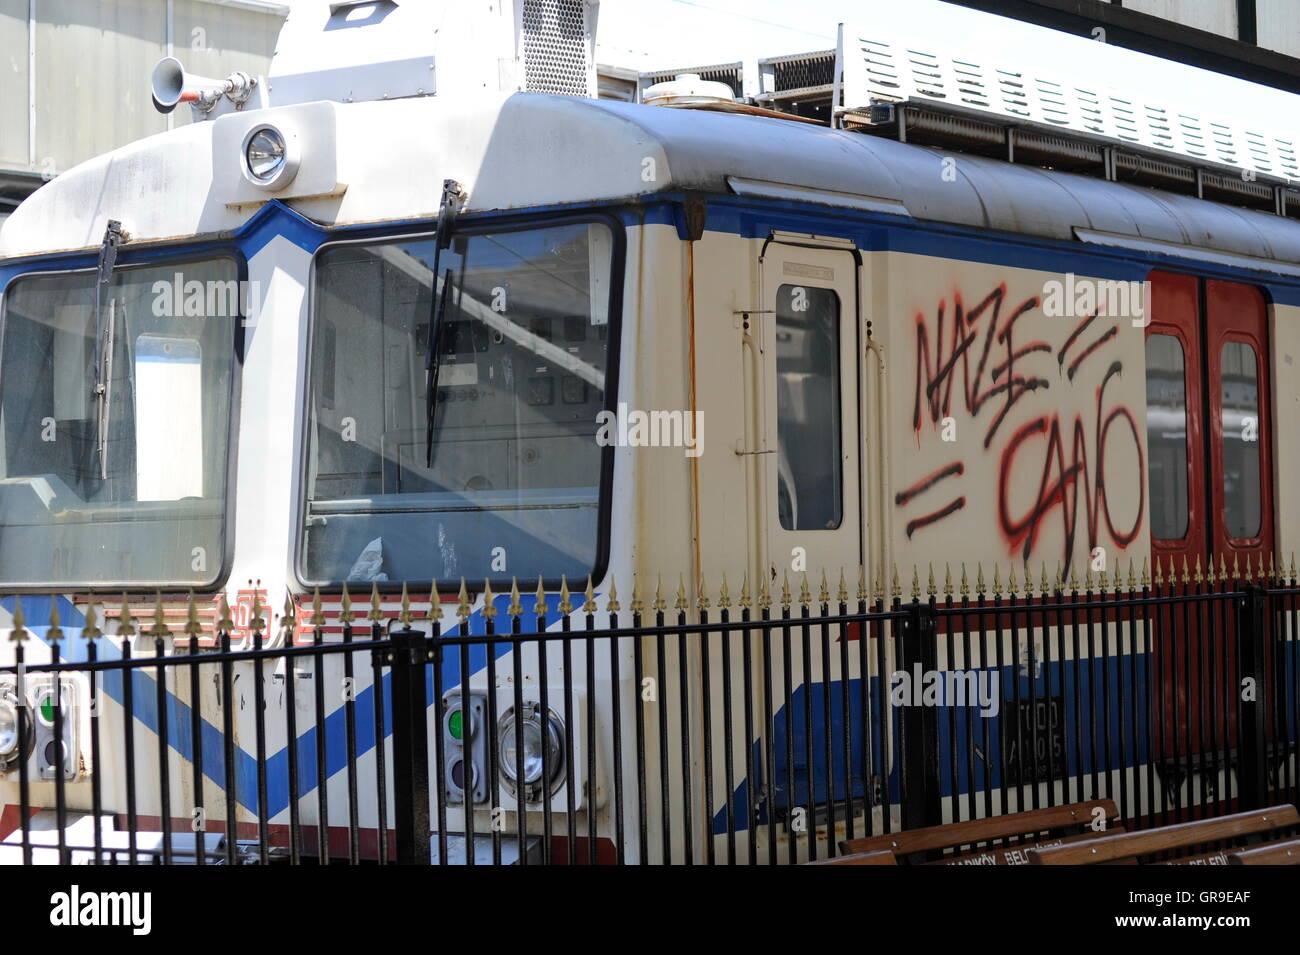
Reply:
x=753, y=731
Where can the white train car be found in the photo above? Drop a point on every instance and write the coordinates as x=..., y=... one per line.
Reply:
x=673, y=344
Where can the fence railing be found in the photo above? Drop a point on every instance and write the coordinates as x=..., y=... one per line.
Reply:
x=760, y=729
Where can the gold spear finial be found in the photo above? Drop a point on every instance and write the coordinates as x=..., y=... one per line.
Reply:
x=91, y=630
x=947, y=579
x=435, y=603
x=823, y=592
x=462, y=603
x=288, y=619
x=317, y=618
x=589, y=603
x=1146, y=573
x=997, y=580
x=565, y=605
x=1043, y=587
x=764, y=594
x=745, y=600
x=842, y=594
x=19, y=632
x=1187, y=572
x=1087, y=579
x=1198, y=576
x=930, y=589
x=515, y=609
x=159, y=629
x=376, y=605
x=126, y=623
x=1013, y=587
x=878, y=583
x=489, y=600
x=680, y=604
x=539, y=599
x=1292, y=575
x=895, y=588
x=659, y=605
x=637, y=605
x=804, y=596
x=980, y=587
x=785, y=589
x=862, y=592
x=1132, y=580
x=702, y=595
x=192, y=625
x=963, y=589
x=1236, y=570
x=404, y=615
x=255, y=623
x=346, y=616
x=54, y=633
x=1103, y=579
x=724, y=597
x=611, y=599
x=916, y=584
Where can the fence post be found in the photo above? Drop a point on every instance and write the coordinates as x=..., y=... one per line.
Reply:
x=411, y=652
x=919, y=724
x=1252, y=773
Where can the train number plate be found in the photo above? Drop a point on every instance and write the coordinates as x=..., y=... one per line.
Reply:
x=1034, y=728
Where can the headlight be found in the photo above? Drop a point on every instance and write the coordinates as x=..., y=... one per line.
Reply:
x=270, y=157
x=542, y=741
x=8, y=728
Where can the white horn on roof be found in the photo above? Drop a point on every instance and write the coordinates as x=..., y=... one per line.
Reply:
x=172, y=85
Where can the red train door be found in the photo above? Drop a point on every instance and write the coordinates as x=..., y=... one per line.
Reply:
x=1209, y=487
x=1208, y=422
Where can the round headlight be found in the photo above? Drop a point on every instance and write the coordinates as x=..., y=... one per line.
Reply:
x=530, y=747
x=8, y=728
x=269, y=158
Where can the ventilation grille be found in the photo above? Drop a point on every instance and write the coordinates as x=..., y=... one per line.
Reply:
x=878, y=69
x=556, y=42
x=801, y=72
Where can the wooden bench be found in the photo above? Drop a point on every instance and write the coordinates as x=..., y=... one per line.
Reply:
x=883, y=857
x=1035, y=827
x=1271, y=853
x=1124, y=847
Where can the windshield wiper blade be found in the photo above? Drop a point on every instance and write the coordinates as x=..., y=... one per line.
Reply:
x=113, y=237
x=452, y=197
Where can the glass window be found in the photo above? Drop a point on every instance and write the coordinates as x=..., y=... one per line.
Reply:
x=510, y=486
x=1167, y=437
x=808, y=407
x=1239, y=404
x=114, y=429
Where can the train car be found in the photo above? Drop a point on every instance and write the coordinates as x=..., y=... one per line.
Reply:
x=369, y=328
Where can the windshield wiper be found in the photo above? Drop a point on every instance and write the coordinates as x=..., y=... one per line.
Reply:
x=452, y=197
x=113, y=237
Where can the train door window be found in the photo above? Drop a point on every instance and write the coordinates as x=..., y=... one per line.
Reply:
x=808, y=408
x=1239, y=417
x=1167, y=436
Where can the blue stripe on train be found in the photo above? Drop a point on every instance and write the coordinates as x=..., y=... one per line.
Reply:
x=1084, y=754
x=179, y=715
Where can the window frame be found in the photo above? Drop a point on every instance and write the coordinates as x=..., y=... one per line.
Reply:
x=469, y=226
x=128, y=262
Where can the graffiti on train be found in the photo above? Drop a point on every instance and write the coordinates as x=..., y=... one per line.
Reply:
x=977, y=363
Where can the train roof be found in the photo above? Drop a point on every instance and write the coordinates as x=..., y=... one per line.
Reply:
x=386, y=161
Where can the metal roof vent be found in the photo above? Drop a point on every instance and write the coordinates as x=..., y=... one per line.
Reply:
x=688, y=89
x=557, y=39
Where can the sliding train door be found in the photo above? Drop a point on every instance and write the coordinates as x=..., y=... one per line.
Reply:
x=809, y=493
x=1209, y=434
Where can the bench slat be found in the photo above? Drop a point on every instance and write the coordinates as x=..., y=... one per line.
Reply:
x=1014, y=853
x=1272, y=853
x=983, y=830
x=1167, y=838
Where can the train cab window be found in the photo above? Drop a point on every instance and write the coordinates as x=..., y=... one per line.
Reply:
x=810, y=472
x=505, y=481
x=115, y=427
x=1239, y=415
x=1167, y=436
